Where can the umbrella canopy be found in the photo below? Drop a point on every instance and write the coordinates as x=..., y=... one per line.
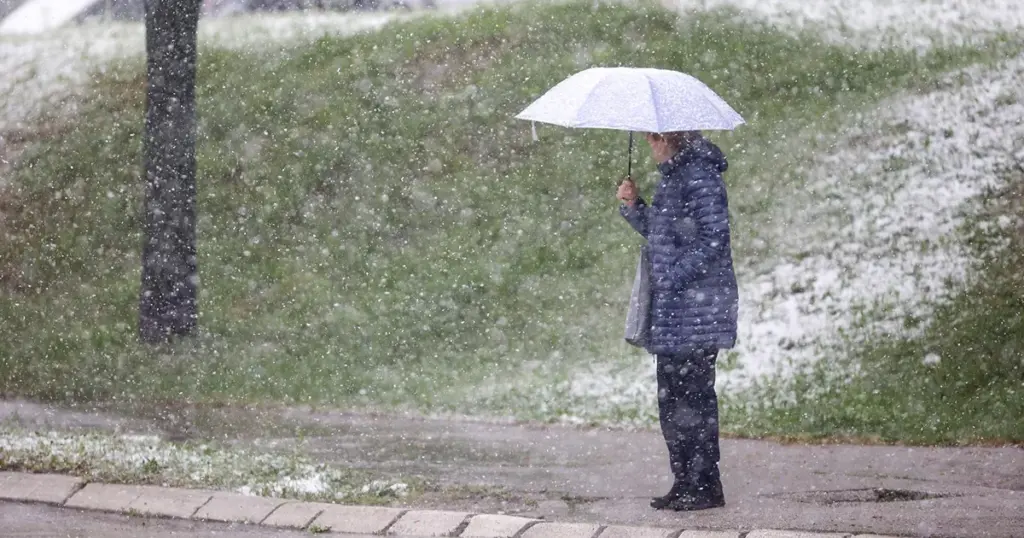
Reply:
x=633, y=99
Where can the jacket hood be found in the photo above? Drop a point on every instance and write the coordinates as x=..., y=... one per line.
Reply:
x=714, y=155
x=702, y=150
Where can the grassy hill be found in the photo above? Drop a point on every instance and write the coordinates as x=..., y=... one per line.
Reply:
x=376, y=230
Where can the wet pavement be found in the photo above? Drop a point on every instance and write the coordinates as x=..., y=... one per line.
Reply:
x=607, y=477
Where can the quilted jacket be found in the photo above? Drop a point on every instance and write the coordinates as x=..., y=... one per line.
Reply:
x=694, y=294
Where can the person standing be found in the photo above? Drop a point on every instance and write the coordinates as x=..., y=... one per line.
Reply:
x=694, y=305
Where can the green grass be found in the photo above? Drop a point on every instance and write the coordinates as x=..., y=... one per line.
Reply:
x=376, y=230
x=974, y=393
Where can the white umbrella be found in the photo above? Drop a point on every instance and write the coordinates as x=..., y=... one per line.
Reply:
x=633, y=99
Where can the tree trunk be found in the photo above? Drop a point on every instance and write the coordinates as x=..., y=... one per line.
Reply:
x=167, y=300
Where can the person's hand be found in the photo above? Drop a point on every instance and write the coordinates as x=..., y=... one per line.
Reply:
x=627, y=192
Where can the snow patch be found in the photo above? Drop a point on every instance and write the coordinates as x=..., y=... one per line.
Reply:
x=877, y=23
x=874, y=240
x=146, y=458
x=40, y=15
x=41, y=70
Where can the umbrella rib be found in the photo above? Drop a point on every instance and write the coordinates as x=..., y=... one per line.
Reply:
x=711, y=102
x=590, y=95
x=654, y=100
x=707, y=98
x=583, y=105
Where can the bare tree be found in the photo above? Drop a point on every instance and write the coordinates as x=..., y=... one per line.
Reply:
x=168, y=297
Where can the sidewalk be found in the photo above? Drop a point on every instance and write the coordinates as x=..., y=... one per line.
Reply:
x=605, y=478
x=610, y=476
x=319, y=518
x=26, y=520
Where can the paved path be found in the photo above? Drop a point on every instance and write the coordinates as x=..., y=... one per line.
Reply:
x=961, y=492
x=606, y=477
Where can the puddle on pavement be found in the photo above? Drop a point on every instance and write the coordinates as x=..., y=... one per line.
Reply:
x=864, y=495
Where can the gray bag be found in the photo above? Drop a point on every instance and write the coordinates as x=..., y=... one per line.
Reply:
x=638, y=317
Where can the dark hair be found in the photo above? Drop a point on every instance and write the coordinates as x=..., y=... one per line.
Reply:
x=679, y=139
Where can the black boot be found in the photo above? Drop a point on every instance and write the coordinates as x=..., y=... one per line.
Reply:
x=692, y=503
x=678, y=490
x=708, y=495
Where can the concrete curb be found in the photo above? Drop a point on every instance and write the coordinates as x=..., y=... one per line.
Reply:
x=207, y=505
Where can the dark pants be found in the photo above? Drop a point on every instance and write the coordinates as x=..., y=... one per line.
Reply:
x=688, y=410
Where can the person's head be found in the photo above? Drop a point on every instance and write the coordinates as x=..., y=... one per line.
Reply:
x=664, y=146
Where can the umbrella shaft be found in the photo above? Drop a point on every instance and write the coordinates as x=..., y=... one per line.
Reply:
x=629, y=164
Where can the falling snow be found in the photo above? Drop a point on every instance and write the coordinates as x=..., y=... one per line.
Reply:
x=884, y=247
x=882, y=250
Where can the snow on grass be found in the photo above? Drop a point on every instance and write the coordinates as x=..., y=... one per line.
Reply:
x=148, y=459
x=875, y=238
x=916, y=24
x=39, y=70
x=873, y=242
x=38, y=15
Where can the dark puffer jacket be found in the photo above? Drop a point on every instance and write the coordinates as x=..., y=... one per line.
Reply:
x=695, y=298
